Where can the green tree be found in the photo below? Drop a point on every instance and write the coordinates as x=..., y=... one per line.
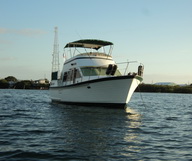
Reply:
x=25, y=84
x=11, y=78
x=4, y=83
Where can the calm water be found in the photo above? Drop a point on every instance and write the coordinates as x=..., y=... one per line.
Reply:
x=154, y=127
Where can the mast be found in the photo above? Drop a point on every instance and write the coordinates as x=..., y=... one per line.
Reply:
x=55, y=59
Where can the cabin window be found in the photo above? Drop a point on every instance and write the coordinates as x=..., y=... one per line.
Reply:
x=89, y=71
x=68, y=75
x=78, y=75
x=94, y=71
x=65, y=77
x=117, y=73
x=71, y=75
x=54, y=75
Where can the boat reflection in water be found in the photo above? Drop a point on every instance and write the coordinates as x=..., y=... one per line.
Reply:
x=131, y=138
x=98, y=132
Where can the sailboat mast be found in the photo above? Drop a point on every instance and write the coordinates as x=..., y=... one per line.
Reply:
x=55, y=59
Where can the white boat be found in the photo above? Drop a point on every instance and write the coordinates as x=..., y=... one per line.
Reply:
x=92, y=77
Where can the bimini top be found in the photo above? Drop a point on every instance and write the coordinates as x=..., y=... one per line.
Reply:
x=88, y=43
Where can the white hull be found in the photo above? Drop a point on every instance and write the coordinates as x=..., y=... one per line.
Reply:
x=92, y=77
x=106, y=91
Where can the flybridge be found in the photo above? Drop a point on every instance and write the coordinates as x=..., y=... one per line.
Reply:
x=89, y=43
x=87, y=46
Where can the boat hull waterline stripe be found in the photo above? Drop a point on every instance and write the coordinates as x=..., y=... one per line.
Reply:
x=109, y=105
x=100, y=80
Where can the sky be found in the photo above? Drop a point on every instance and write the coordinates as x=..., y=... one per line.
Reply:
x=157, y=33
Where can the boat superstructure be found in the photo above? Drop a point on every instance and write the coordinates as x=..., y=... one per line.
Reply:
x=91, y=76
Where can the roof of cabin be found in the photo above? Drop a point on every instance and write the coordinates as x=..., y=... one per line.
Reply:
x=88, y=43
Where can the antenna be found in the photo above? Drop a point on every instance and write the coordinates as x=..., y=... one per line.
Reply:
x=55, y=61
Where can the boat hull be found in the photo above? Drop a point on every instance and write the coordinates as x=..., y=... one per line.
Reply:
x=109, y=91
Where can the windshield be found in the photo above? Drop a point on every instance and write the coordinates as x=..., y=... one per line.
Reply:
x=94, y=71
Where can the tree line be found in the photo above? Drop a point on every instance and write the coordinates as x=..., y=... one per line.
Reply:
x=12, y=82
x=164, y=88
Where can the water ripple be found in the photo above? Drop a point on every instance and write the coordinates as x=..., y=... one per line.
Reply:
x=34, y=129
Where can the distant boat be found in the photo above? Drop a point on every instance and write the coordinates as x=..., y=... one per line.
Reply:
x=92, y=77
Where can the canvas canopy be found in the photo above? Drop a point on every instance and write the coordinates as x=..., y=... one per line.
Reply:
x=89, y=43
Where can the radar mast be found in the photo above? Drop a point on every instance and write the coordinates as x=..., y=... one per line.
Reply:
x=55, y=58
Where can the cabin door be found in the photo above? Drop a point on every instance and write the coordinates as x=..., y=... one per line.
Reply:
x=74, y=75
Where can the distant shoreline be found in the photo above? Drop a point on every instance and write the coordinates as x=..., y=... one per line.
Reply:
x=11, y=82
x=147, y=88
x=164, y=88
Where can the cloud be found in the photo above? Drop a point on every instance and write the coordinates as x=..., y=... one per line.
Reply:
x=24, y=32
